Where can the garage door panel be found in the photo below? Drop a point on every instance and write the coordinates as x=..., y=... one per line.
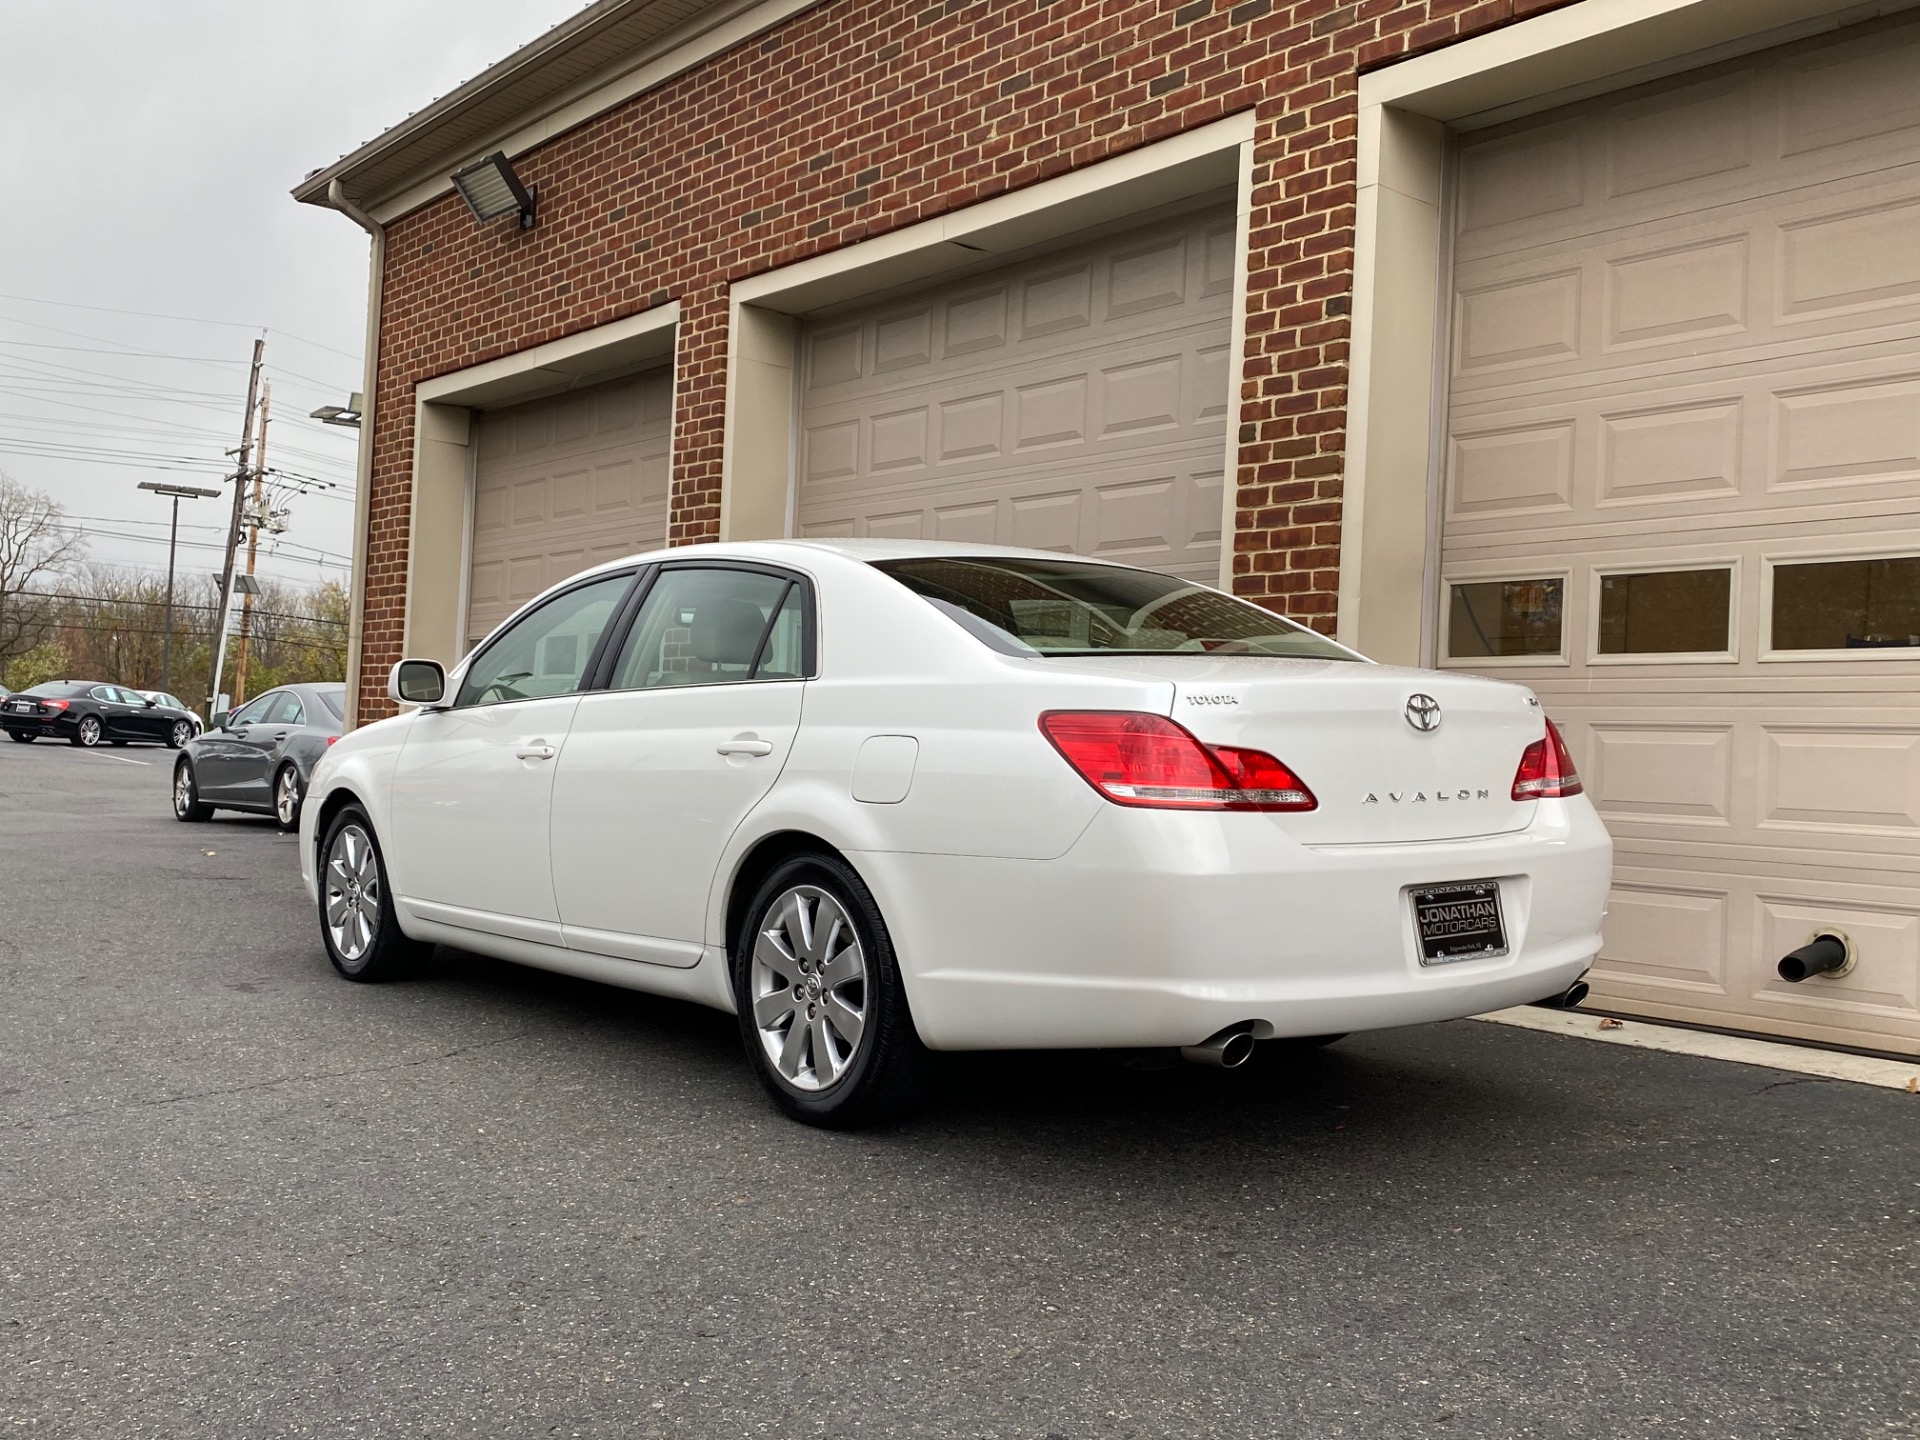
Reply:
x=1685, y=341
x=1077, y=402
x=562, y=484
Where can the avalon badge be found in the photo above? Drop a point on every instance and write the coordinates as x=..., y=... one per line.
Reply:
x=1423, y=712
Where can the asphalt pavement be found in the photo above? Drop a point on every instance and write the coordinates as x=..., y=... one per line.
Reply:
x=241, y=1197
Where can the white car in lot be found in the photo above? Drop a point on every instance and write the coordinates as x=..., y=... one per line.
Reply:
x=882, y=798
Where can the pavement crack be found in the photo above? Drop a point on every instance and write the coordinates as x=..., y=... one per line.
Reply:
x=1798, y=1080
x=302, y=1079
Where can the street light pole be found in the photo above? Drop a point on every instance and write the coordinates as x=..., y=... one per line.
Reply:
x=176, y=493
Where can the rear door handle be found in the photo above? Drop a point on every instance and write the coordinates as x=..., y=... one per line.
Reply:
x=534, y=752
x=281, y=736
x=744, y=747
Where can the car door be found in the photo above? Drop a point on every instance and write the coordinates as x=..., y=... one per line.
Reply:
x=262, y=726
x=695, y=722
x=144, y=720
x=116, y=718
x=222, y=756
x=473, y=783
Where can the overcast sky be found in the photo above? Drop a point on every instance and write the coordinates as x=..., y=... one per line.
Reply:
x=146, y=152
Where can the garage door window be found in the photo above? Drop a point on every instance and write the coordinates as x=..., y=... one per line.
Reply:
x=1489, y=619
x=1847, y=604
x=1667, y=612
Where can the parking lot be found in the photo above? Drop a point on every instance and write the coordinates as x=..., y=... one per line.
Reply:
x=244, y=1198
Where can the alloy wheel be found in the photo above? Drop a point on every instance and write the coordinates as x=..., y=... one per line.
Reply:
x=352, y=881
x=809, y=987
x=89, y=731
x=182, y=733
x=286, y=798
x=182, y=790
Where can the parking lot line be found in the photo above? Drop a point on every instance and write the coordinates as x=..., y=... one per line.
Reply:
x=1740, y=1049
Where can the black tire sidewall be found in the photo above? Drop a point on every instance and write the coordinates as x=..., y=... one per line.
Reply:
x=888, y=1072
x=196, y=808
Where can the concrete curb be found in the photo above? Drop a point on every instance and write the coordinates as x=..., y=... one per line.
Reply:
x=1645, y=1035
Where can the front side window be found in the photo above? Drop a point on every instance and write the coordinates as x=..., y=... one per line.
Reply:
x=713, y=627
x=546, y=652
x=1072, y=607
x=254, y=712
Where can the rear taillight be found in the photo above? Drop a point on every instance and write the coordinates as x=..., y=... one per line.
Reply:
x=1138, y=759
x=1546, y=769
x=55, y=704
x=332, y=738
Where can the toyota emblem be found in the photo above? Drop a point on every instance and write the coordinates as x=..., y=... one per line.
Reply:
x=1423, y=712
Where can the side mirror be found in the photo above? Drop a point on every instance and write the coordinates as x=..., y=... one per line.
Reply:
x=218, y=720
x=153, y=704
x=417, y=682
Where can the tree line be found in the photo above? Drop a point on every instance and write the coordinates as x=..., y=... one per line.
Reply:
x=64, y=617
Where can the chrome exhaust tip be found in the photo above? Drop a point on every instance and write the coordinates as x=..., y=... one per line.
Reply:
x=1228, y=1050
x=1567, y=999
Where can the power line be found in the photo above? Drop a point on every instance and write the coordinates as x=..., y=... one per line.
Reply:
x=187, y=319
x=178, y=605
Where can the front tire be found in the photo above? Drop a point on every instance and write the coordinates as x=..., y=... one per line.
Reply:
x=88, y=735
x=180, y=734
x=287, y=796
x=357, y=921
x=822, y=1009
x=186, y=795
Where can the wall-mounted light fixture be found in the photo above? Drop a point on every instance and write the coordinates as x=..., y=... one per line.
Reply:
x=347, y=414
x=491, y=190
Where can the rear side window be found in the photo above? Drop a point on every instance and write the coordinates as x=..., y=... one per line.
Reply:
x=1069, y=607
x=334, y=697
x=286, y=710
x=713, y=627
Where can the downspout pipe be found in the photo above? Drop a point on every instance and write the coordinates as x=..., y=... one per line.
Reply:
x=363, y=465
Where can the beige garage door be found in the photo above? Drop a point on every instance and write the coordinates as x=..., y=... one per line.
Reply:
x=564, y=483
x=1075, y=402
x=1683, y=503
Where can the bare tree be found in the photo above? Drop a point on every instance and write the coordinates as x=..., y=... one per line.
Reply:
x=37, y=549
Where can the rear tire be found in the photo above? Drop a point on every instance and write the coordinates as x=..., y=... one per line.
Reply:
x=186, y=794
x=180, y=734
x=822, y=1009
x=22, y=737
x=287, y=798
x=88, y=734
x=358, y=925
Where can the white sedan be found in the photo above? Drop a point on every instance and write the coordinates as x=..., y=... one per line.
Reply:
x=883, y=798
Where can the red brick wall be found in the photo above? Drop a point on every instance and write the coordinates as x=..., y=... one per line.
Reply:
x=864, y=115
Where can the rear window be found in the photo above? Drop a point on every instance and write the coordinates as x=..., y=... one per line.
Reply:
x=1069, y=607
x=334, y=697
x=59, y=688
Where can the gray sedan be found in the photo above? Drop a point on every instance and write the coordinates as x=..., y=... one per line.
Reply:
x=259, y=757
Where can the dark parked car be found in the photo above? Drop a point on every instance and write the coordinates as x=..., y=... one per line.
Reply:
x=259, y=757
x=85, y=712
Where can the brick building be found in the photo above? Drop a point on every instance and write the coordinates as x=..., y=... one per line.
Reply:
x=1573, y=342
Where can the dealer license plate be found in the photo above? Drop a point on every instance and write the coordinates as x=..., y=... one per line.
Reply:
x=1459, y=922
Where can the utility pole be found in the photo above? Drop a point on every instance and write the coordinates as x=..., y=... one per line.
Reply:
x=233, y=530
x=177, y=493
x=256, y=517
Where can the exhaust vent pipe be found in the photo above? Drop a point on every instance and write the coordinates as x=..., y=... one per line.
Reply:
x=1228, y=1050
x=1567, y=999
x=1829, y=952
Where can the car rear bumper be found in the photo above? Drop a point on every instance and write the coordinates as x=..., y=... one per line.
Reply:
x=1160, y=929
x=59, y=727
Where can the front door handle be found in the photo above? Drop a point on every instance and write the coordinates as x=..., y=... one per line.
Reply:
x=535, y=752
x=744, y=747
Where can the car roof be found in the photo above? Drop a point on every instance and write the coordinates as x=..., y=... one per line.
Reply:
x=847, y=548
